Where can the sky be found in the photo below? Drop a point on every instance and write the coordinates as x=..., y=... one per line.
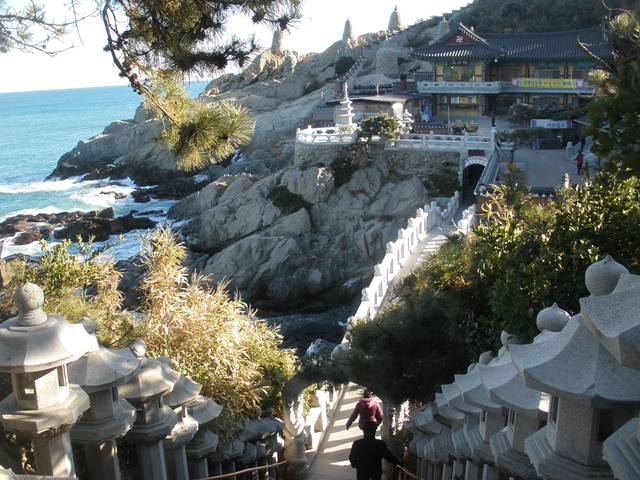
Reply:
x=87, y=65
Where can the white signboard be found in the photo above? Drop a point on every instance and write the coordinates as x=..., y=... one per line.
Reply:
x=550, y=124
x=475, y=161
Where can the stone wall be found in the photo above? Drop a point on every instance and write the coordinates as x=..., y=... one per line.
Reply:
x=419, y=163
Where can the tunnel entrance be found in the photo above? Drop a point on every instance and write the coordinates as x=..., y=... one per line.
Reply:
x=470, y=178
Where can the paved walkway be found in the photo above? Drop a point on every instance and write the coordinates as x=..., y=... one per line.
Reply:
x=544, y=169
x=332, y=460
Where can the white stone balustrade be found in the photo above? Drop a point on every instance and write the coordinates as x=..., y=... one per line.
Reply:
x=329, y=135
x=400, y=250
x=468, y=220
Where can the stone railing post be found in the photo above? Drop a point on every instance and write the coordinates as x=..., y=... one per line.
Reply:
x=203, y=410
x=184, y=392
x=294, y=423
x=154, y=420
x=99, y=373
x=36, y=349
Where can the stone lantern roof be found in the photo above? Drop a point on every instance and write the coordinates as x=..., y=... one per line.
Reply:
x=184, y=391
x=575, y=365
x=204, y=410
x=154, y=378
x=34, y=341
x=446, y=412
x=473, y=391
x=259, y=429
x=103, y=367
x=615, y=319
x=505, y=386
x=424, y=420
x=454, y=397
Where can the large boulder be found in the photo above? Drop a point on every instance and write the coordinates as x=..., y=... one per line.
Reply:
x=242, y=210
x=314, y=184
x=196, y=203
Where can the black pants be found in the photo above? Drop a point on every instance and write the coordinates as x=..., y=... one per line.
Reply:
x=364, y=475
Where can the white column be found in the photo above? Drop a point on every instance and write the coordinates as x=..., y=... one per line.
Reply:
x=151, y=460
x=472, y=471
x=53, y=455
x=447, y=472
x=102, y=461
x=490, y=473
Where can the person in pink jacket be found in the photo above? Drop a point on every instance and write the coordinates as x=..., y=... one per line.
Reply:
x=368, y=410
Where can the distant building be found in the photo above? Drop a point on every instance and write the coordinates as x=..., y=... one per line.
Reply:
x=485, y=73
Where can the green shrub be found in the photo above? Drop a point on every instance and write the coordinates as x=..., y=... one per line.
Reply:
x=381, y=125
x=342, y=169
x=311, y=87
x=524, y=257
x=287, y=201
x=343, y=65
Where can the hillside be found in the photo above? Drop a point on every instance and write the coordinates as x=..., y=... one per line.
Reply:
x=537, y=15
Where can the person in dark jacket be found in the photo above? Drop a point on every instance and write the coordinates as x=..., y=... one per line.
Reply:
x=367, y=454
x=580, y=161
x=367, y=409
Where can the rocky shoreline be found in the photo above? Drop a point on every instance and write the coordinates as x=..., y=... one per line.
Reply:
x=98, y=225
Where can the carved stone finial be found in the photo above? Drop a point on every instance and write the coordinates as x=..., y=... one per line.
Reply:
x=552, y=318
x=602, y=277
x=29, y=299
x=89, y=325
x=485, y=358
x=138, y=348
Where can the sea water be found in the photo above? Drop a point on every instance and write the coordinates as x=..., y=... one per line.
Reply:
x=36, y=128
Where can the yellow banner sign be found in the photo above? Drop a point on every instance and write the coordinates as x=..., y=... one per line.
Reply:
x=560, y=83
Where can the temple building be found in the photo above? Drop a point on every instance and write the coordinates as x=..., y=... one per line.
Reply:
x=485, y=73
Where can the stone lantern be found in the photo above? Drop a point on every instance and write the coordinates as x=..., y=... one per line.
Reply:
x=453, y=441
x=592, y=395
x=226, y=455
x=204, y=411
x=184, y=392
x=505, y=386
x=154, y=420
x=492, y=418
x=36, y=349
x=616, y=321
x=99, y=373
x=424, y=427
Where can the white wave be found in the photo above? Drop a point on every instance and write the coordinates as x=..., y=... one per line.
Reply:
x=45, y=186
x=104, y=196
x=36, y=211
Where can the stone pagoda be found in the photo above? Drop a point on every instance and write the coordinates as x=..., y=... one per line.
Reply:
x=99, y=373
x=154, y=420
x=395, y=21
x=204, y=411
x=347, y=35
x=615, y=319
x=36, y=349
x=592, y=395
x=184, y=392
x=344, y=113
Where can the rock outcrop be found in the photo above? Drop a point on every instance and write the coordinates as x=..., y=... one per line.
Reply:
x=99, y=225
x=294, y=239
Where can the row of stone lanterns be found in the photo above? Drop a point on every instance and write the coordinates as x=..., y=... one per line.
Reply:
x=66, y=388
x=560, y=408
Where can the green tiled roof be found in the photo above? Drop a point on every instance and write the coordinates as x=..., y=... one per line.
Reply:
x=550, y=46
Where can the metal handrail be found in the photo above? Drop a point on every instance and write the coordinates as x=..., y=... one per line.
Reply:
x=255, y=469
x=401, y=473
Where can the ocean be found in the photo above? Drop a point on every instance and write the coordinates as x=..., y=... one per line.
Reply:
x=36, y=128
